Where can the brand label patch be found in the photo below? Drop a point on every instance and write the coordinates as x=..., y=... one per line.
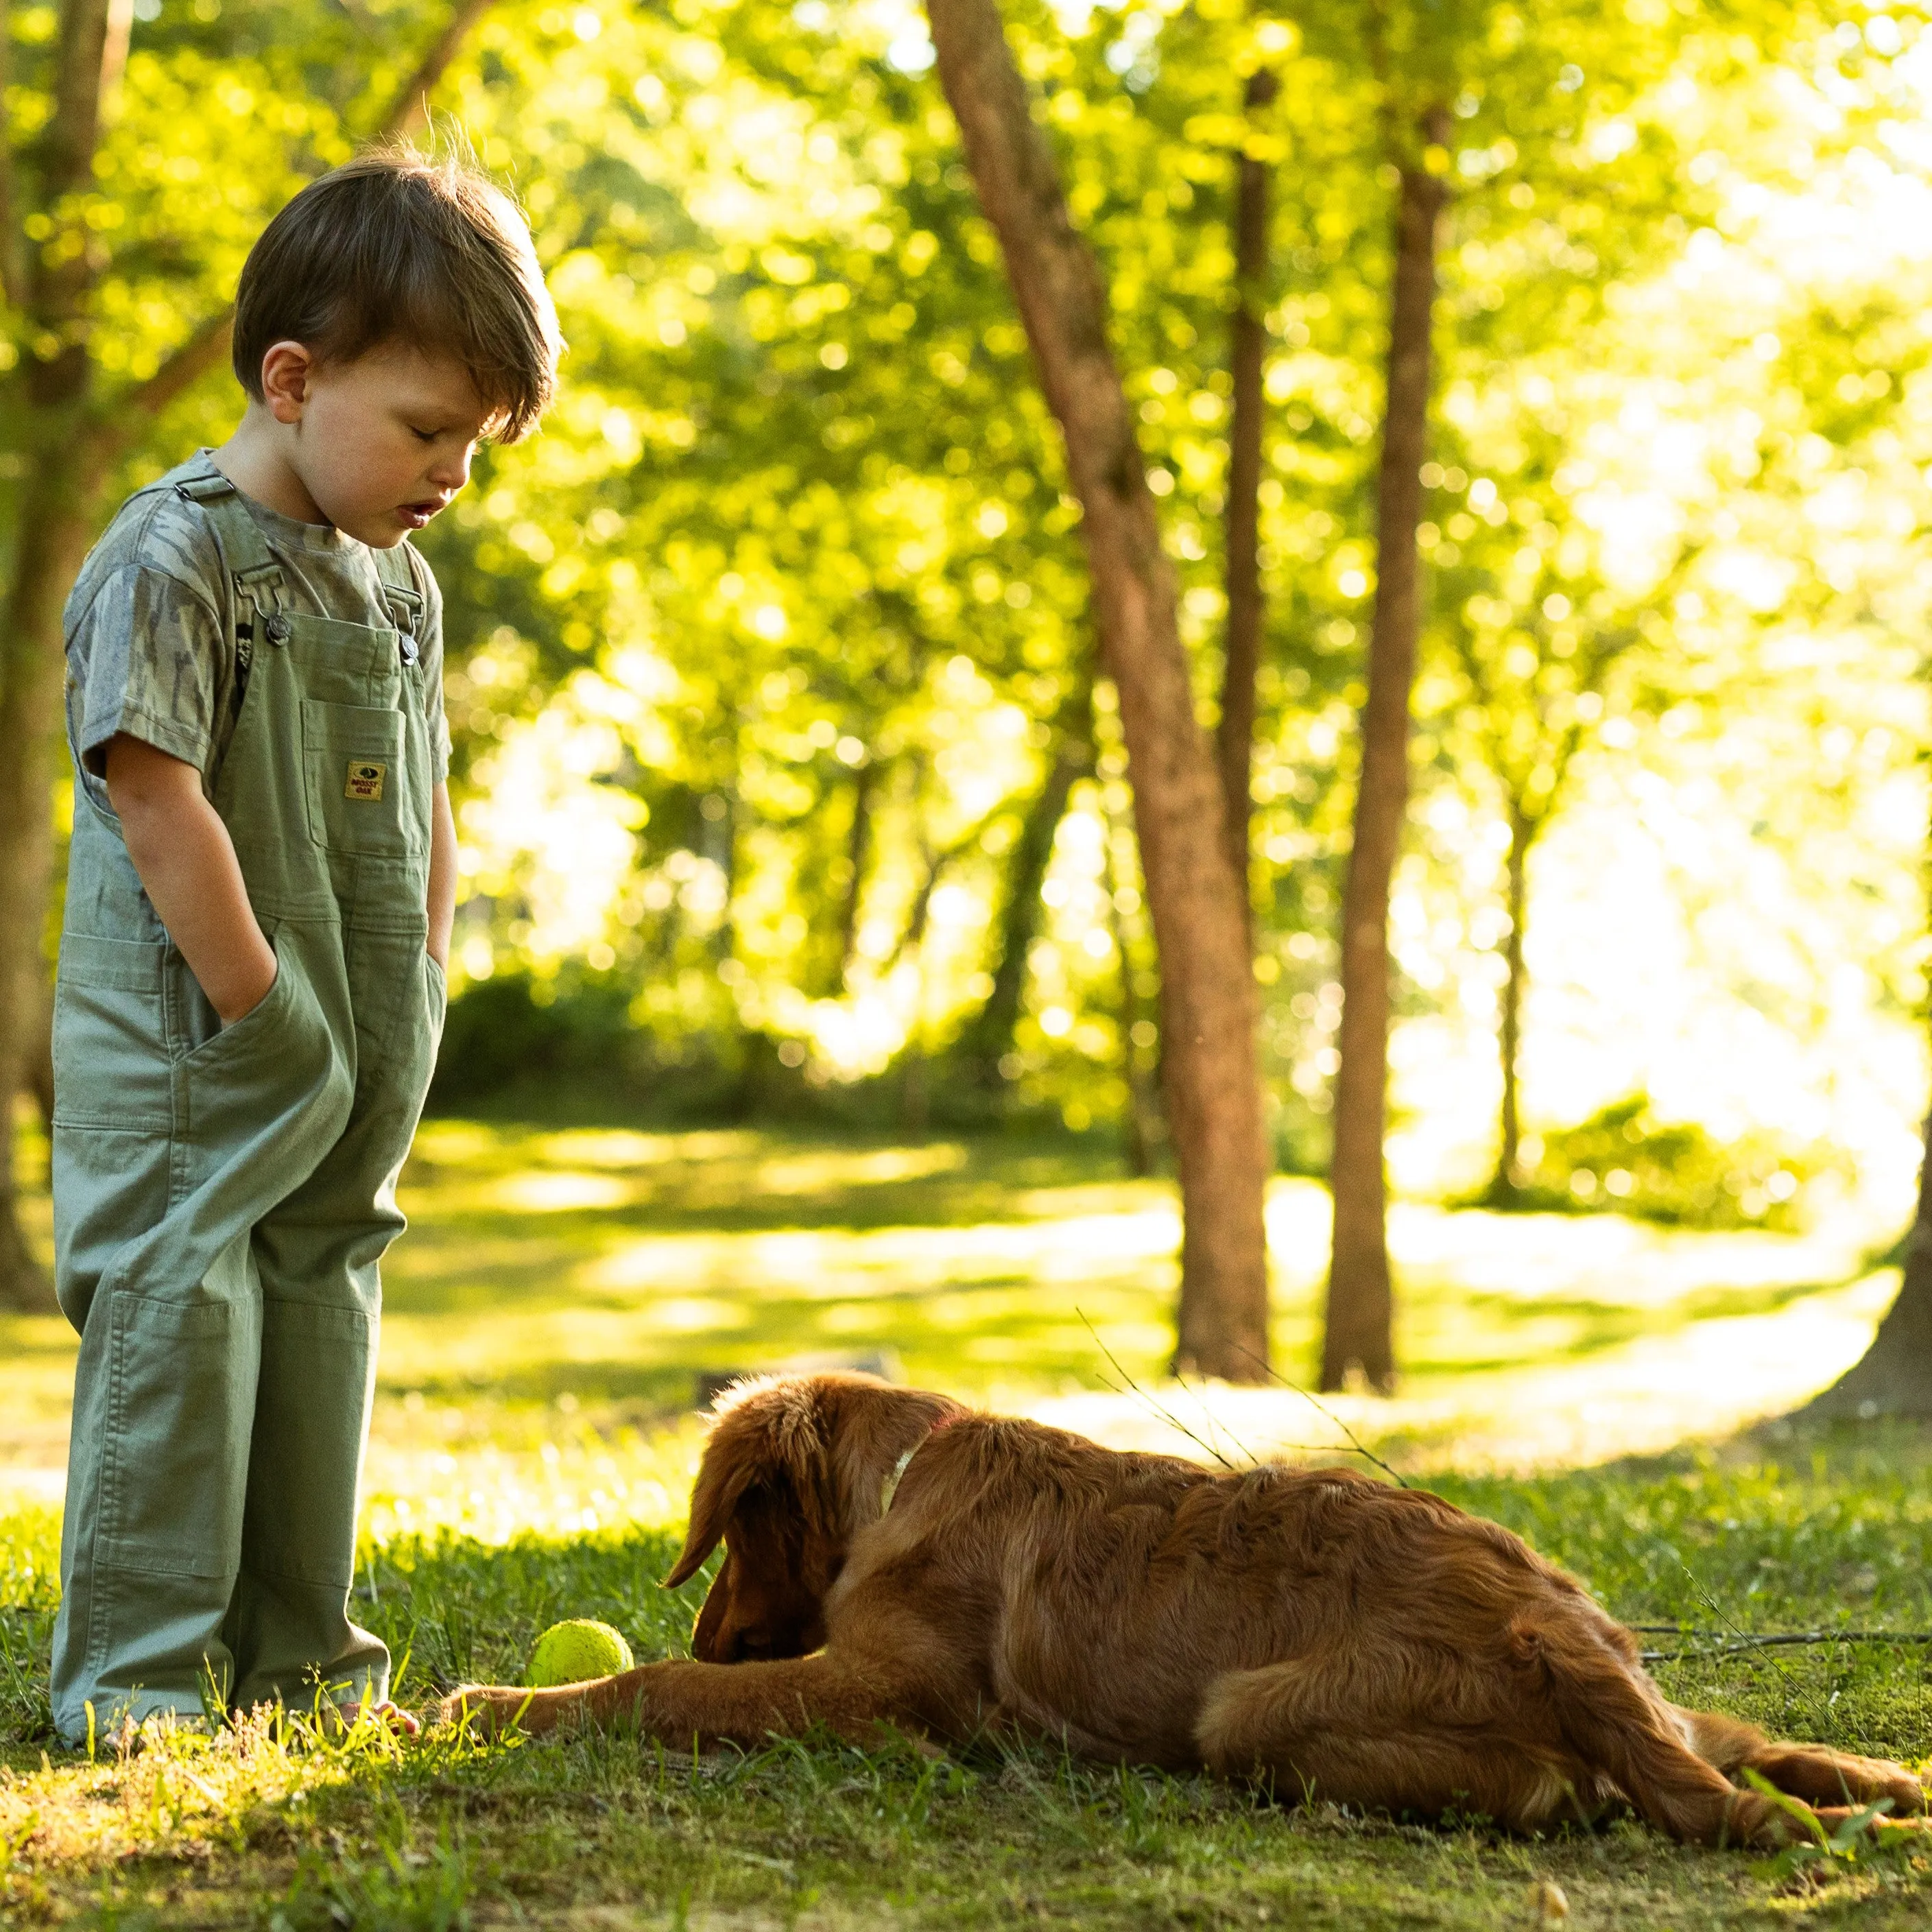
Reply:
x=365, y=781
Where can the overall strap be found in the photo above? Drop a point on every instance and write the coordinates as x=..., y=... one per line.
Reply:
x=402, y=593
x=257, y=577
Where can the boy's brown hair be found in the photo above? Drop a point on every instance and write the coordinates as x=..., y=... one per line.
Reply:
x=395, y=246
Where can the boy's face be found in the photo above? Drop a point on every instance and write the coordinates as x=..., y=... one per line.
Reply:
x=379, y=445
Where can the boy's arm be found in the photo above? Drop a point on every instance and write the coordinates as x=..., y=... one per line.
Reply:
x=186, y=860
x=441, y=874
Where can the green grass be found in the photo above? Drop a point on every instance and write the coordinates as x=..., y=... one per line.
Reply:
x=364, y=1834
x=531, y=1460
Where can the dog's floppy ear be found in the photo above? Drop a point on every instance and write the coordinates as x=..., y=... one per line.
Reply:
x=722, y=1479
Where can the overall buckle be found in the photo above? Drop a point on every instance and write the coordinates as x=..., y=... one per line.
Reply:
x=406, y=609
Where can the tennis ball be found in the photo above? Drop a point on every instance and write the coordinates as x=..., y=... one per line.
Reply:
x=569, y=1653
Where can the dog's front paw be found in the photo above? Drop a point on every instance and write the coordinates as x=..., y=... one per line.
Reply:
x=485, y=1710
x=1876, y=1777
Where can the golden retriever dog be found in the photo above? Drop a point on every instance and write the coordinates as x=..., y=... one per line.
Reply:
x=895, y=1560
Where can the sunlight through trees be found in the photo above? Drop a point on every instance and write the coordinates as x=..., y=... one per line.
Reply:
x=799, y=772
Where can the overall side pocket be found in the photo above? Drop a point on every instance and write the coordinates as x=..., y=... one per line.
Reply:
x=111, y=1059
x=180, y=1404
x=269, y=1092
x=238, y=1037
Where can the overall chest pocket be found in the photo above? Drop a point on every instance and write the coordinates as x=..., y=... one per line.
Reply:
x=361, y=780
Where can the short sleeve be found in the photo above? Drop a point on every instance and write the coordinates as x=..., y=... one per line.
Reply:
x=145, y=658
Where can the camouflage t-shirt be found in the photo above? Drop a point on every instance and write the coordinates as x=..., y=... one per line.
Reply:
x=148, y=653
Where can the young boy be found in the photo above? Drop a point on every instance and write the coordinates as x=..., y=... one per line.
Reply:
x=259, y=897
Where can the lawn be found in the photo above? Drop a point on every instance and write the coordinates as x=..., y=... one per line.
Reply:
x=1593, y=1384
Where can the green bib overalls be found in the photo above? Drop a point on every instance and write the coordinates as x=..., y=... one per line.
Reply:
x=222, y=1195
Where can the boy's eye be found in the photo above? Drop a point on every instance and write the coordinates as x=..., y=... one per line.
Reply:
x=423, y=435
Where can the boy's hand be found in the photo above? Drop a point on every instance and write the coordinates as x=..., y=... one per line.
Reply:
x=186, y=861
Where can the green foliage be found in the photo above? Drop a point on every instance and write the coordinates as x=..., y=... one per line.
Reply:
x=768, y=524
x=216, y=121
x=1623, y=1159
x=515, y=1035
x=763, y=654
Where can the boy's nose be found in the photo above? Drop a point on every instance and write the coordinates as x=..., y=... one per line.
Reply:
x=452, y=473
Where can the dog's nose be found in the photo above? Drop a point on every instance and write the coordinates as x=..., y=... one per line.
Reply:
x=735, y=1645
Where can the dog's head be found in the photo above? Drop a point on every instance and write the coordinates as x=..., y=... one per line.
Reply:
x=794, y=1466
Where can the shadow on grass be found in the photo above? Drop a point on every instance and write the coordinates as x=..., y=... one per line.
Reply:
x=619, y=1265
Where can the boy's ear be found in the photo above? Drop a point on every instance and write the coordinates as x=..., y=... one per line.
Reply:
x=286, y=367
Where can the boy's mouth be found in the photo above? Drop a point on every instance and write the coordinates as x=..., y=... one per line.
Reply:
x=417, y=515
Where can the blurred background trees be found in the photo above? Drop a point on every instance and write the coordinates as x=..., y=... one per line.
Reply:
x=789, y=781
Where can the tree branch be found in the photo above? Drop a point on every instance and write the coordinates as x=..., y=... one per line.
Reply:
x=80, y=68
x=1247, y=347
x=110, y=440
x=935, y=863
x=410, y=108
x=209, y=343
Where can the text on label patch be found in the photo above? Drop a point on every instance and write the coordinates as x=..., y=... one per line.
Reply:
x=365, y=780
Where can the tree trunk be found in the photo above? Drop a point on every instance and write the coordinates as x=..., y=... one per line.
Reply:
x=1234, y=737
x=915, y=1099
x=50, y=540
x=1140, y=1125
x=53, y=535
x=915, y=1092
x=717, y=841
x=1893, y=1376
x=989, y=1037
x=13, y=264
x=72, y=445
x=1360, y=1328
x=915, y=1087
x=1213, y=1088
x=858, y=848
x=1506, y=1185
